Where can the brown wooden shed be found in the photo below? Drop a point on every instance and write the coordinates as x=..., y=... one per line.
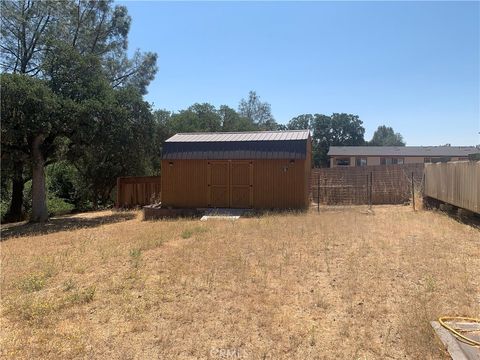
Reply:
x=260, y=170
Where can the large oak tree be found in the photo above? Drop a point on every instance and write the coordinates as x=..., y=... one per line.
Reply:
x=34, y=32
x=31, y=113
x=338, y=129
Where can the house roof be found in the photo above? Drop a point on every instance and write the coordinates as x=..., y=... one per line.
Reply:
x=426, y=151
x=238, y=145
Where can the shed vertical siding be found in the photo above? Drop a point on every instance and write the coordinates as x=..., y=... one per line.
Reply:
x=184, y=183
x=277, y=184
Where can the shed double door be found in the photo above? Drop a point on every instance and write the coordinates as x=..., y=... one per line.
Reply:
x=230, y=184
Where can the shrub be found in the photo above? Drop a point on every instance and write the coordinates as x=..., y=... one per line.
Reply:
x=57, y=206
x=33, y=282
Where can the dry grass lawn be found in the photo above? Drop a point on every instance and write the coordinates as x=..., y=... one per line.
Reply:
x=342, y=284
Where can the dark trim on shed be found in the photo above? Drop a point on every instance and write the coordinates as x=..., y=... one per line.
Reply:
x=235, y=150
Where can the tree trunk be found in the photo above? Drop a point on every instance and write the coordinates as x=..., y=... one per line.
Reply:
x=39, y=199
x=15, y=212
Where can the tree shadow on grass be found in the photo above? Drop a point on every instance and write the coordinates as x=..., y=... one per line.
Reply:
x=64, y=223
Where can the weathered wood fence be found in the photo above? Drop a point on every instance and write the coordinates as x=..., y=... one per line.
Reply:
x=138, y=191
x=456, y=183
x=382, y=184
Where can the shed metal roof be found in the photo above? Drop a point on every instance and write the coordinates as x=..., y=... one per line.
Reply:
x=426, y=151
x=241, y=136
x=238, y=145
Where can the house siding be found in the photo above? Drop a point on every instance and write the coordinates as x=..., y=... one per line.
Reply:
x=414, y=160
x=373, y=160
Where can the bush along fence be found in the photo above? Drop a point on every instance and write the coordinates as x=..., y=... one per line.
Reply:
x=138, y=191
x=382, y=184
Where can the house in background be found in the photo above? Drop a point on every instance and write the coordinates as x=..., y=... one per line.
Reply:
x=389, y=155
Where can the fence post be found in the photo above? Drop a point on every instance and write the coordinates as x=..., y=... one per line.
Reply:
x=318, y=191
x=370, y=197
x=367, y=187
x=413, y=193
x=117, y=203
x=422, y=190
x=325, y=189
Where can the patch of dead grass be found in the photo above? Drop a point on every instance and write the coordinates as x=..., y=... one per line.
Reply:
x=339, y=284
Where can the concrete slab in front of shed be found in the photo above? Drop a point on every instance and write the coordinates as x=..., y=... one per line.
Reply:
x=222, y=214
x=457, y=349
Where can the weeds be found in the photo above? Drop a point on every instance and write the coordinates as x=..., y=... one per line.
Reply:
x=135, y=257
x=429, y=284
x=150, y=243
x=69, y=285
x=34, y=309
x=33, y=282
x=188, y=233
x=83, y=296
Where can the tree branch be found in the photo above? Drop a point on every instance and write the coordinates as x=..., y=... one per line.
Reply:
x=97, y=35
x=116, y=82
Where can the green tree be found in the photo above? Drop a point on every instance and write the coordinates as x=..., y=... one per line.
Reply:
x=112, y=131
x=62, y=183
x=119, y=142
x=100, y=29
x=386, y=136
x=163, y=130
x=25, y=30
x=37, y=39
x=31, y=114
x=14, y=176
x=86, y=97
x=301, y=122
x=197, y=118
x=257, y=112
x=200, y=118
x=339, y=129
x=232, y=121
x=31, y=29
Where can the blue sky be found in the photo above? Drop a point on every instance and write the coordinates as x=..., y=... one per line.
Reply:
x=414, y=66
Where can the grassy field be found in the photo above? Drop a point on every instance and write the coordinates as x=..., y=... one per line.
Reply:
x=342, y=284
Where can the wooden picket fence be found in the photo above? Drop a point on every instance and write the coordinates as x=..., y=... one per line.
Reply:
x=138, y=191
